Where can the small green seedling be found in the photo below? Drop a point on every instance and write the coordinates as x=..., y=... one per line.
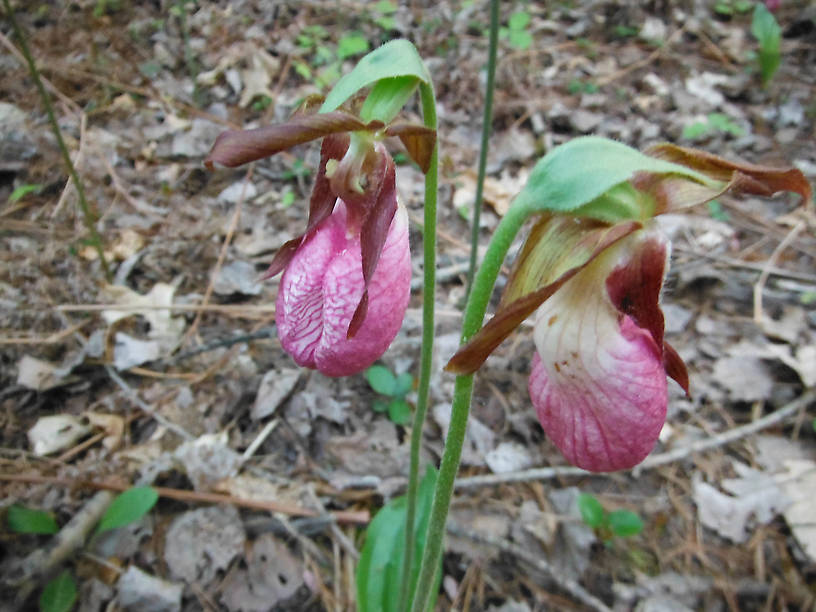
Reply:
x=516, y=31
x=383, y=381
x=22, y=191
x=766, y=30
x=729, y=8
x=618, y=523
x=715, y=209
x=715, y=123
x=60, y=594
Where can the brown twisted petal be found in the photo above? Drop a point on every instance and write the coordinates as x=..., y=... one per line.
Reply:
x=418, y=140
x=381, y=206
x=741, y=177
x=235, y=147
x=321, y=203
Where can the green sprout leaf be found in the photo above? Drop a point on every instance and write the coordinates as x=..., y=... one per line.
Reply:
x=404, y=384
x=350, y=45
x=397, y=58
x=695, y=130
x=59, y=595
x=625, y=523
x=399, y=411
x=22, y=191
x=592, y=512
x=379, y=571
x=381, y=380
x=127, y=507
x=380, y=405
x=26, y=520
x=766, y=30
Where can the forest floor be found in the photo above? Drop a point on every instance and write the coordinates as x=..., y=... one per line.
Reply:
x=171, y=374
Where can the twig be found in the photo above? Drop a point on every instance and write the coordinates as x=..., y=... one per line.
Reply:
x=40, y=563
x=87, y=216
x=54, y=338
x=640, y=63
x=341, y=516
x=763, y=277
x=565, y=582
x=222, y=308
x=259, y=439
x=651, y=462
x=133, y=397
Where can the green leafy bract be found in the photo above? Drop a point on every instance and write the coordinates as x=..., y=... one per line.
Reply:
x=129, y=506
x=379, y=570
x=25, y=520
x=59, y=595
x=582, y=170
x=397, y=58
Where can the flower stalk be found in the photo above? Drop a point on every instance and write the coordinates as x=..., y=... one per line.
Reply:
x=428, y=101
x=474, y=314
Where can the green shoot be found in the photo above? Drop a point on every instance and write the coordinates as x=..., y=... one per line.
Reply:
x=394, y=388
x=618, y=523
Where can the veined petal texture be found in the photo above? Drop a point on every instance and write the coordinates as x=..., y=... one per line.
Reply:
x=598, y=381
x=322, y=286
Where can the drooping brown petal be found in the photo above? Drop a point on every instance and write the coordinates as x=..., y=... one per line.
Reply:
x=418, y=140
x=742, y=177
x=569, y=245
x=321, y=203
x=235, y=147
x=675, y=367
x=375, y=227
x=282, y=257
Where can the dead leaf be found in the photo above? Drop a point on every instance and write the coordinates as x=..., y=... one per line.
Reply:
x=52, y=434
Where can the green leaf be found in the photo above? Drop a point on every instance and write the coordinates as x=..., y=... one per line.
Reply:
x=127, y=507
x=387, y=98
x=716, y=211
x=695, y=130
x=288, y=198
x=405, y=382
x=592, y=512
x=399, y=411
x=22, y=191
x=379, y=570
x=380, y=405
x=351, y=44
x=767, y=31
x=397, y=58
x=386, y=7
x=59, y=595
x=519, y=20
x=381, y=379
x=583, y=169
x=624, y=523
x=520, y=39
x=724, y=123
x=26, y=520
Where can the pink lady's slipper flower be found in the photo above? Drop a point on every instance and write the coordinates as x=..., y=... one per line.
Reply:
x=346, y=280
x=599, y=373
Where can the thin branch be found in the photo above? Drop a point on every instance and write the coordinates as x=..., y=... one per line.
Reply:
x=654, y=461
x=341, y=516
